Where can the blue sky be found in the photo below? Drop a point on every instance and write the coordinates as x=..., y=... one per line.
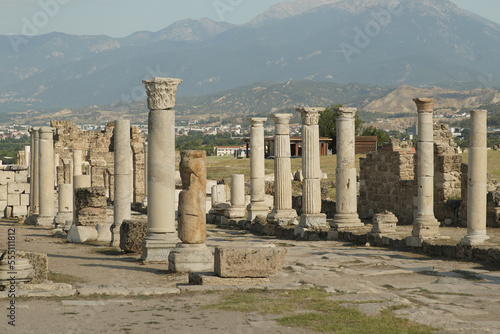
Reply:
x=119, y=18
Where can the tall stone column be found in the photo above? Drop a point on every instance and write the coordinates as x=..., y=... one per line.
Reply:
x=122, y=159
x=31, y=171
x=77, y=162
x=145, y=198
x=192, y=254
x=46, y=177
x=36, y=164
x=27, y=155
x=346, y=217
x=311, y=185
x=161, y=237
x=425, y=225
x=282, y=170
x=257, y=204
x=477, y=180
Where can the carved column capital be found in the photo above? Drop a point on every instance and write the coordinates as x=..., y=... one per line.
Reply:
x=161, y=92
x=310, y=116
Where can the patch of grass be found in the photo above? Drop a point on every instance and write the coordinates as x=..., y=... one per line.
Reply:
x=152, y=323
x=70, y=313
x=64, y=278
x=109, y=251
x=311, y=309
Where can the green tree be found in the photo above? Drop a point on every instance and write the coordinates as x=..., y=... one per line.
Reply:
x=382, y=136
x=328, y=124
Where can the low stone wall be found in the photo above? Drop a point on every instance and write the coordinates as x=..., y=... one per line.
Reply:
x=14, y=191
x=90, y=206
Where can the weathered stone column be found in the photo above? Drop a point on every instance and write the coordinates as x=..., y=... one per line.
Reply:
x=346, y=217
x=311, y=187
x=282, y=171
x=161, y=238
x=35, y=203
x=77, y=162
x=477, y=180
x=425, y=225
x=192, y=254
x=237, y=208
x=145, y=199
x=65, y=208
x=122, y=157
x=27, y=155
x=257, y=204
x=46, y=177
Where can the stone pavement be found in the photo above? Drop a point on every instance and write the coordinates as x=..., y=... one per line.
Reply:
x=458, y=297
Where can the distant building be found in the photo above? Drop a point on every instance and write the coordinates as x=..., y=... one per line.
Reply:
x=226, y=150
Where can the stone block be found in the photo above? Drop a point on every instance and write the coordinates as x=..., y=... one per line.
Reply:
x=190, y=258
x=25, y=199
x=18, y=188
x=19, y=211
x=81, y=234
x=6, y=177
x=212, y=279
x=3, y=205
x=248, y=262
x=3, y=192
x=21, y=178
x=132, y=234
x=13, y=199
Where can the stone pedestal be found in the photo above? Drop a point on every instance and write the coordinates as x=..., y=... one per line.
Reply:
x=237, y=208
x=425, y=225
x=192, y=254
x=346, y=217
x=282, y=171
x=161, y=238
x=46, y=177
x=65, y=212
x=477, y=180
x=122, y=155
x=311, y=216
x=257, y=204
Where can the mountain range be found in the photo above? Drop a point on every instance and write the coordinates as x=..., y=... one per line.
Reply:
x=371, y=42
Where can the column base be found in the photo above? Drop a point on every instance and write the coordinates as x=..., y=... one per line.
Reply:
x=425, y=227
x=346, y=222
x=474, y=239
x=156, y=247
x=61, y=217
x=234, y=212
x=45, y=221
x=313, y=220
x=255, y=209
x=104, y=233
x=277, y=215
x=191, y=258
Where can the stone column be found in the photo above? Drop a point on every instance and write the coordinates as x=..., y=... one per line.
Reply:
x=145, y=199
x=31, y=171
x=77, y=162
x=257, y=204
x=477, y=180
x=346, y=217
x=161, y=237
x=282, y=171
x=56, y=164
x=36, y=164
x=27, y=155
x=192, y=254
x=311, y=187
x=46, y=177
x=425, y=225
x=237, y=208
x=122, y=157
x=65, y=208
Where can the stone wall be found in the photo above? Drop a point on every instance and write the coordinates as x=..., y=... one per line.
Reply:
x=387, y=181
x=14, y=190
x=98, y=151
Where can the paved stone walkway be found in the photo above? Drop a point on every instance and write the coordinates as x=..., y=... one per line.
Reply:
x=458, y=297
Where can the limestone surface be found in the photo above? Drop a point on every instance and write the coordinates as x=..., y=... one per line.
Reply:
x=248, y=262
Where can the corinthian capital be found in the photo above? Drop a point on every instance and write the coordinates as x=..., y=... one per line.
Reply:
x=161, y=92
x=310, y=116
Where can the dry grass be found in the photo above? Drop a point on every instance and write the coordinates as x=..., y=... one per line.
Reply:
x=493, y=162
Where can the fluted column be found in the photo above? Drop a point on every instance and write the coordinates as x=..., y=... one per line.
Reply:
x=46, y=177
x=346, y=216
x=477, y=180
x=35, y=195
x=311, y=185
x=122, y=159
x=162, y=236
x=257, y=204
x=282, y=170
x=425, y=225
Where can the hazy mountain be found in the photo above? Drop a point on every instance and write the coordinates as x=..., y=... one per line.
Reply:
x=383, y=42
